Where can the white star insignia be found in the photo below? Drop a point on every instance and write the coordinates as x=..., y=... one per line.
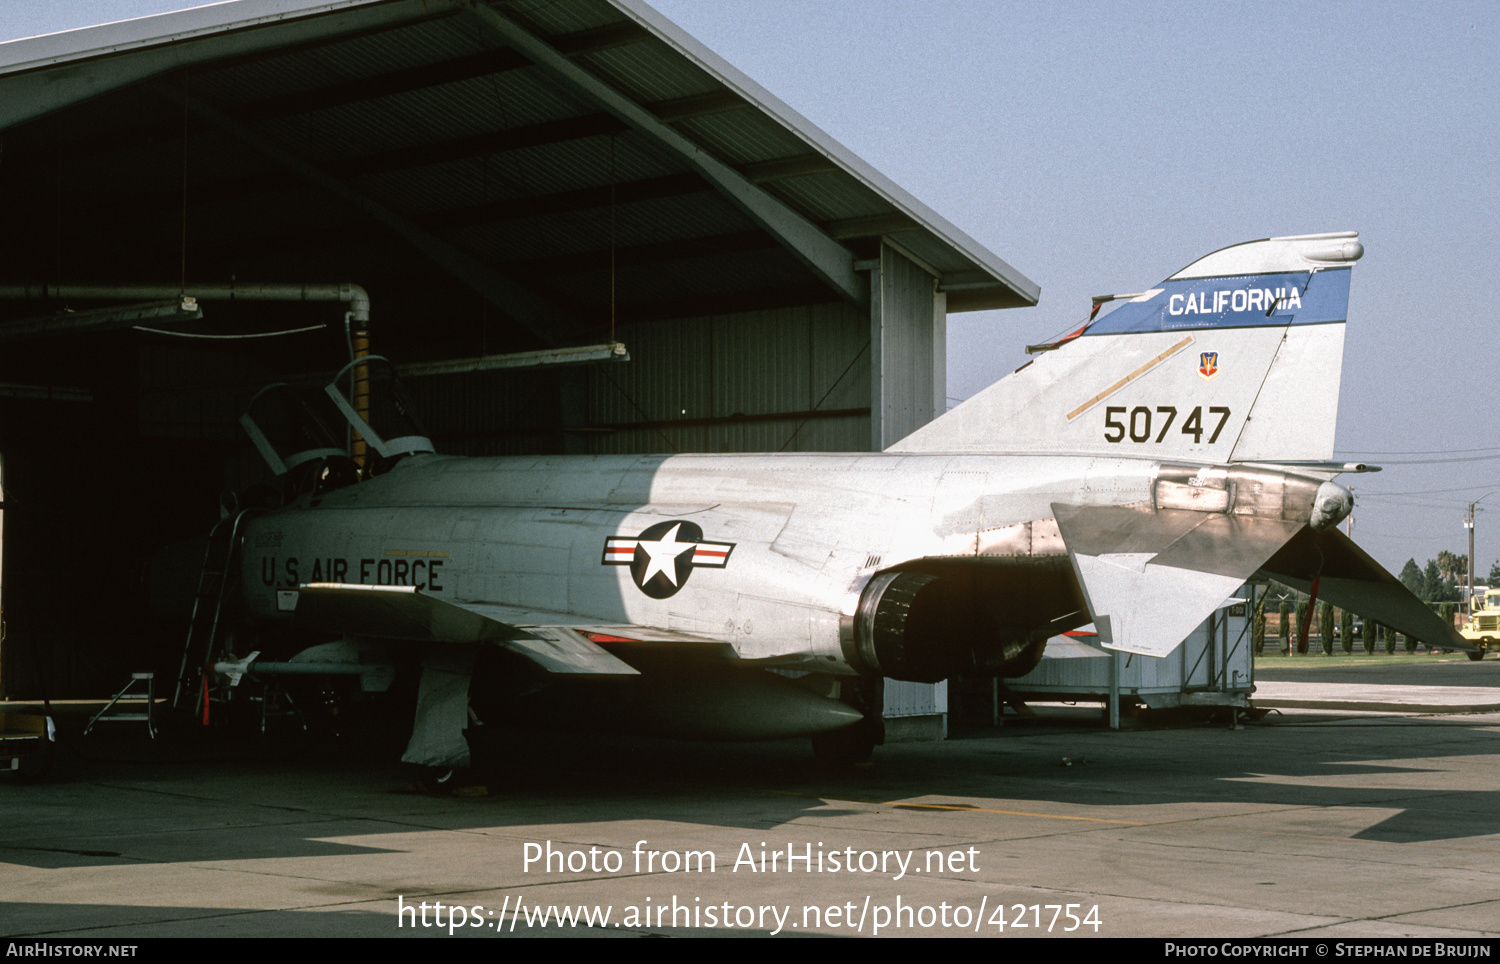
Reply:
x=663, y=554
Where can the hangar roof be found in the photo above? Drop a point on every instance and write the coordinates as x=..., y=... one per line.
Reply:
x=560, y=159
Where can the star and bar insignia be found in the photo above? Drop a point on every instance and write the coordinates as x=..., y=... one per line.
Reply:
x=662, y=557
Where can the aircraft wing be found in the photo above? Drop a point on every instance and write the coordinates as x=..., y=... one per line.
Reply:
x=402, y=612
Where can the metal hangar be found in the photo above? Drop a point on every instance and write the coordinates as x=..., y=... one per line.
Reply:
x=203, y=202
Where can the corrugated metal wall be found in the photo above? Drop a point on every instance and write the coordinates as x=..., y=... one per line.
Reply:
x=807, y=378
x=908, y=326
x=507, y=412
x=786, y=379
x=915, y=699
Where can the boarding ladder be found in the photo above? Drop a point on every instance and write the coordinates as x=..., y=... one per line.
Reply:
x=208, y=604
x=130, y=705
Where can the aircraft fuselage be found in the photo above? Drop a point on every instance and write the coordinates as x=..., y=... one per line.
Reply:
x=767, y=553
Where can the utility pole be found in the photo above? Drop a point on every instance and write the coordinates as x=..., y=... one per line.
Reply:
x=1469, y=524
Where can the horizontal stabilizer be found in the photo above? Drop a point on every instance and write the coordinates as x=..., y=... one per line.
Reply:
x=1350, y=579
x=1151, y=576
x=401, y=612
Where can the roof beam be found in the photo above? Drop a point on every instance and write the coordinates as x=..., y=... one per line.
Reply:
x=698, y=105
x=545, y=319
x=484, y=64
x=478, y=145
x=799, y=165
x=491, y=212
x=595, y=39
x=495, y=142
x=53, y=81
x=872, y=226
x=564, y=202
x=830, y=261
x=434, y=11
x=643, y=254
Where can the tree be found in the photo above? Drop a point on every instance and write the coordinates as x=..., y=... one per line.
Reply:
x=1325, y=627
x=1432, y=582
x=1390, y=640
x=1258, y=628
x=1284, y=609
x=1453, y=566
x=1301, y=619
x=1411, y=577
x=1346, y=630
x=1494, y=579
x=1371, y=628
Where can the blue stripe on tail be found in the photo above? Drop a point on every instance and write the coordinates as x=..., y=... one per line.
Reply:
x=1246, y=301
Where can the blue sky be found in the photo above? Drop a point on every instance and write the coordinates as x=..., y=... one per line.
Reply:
x=1100, y=147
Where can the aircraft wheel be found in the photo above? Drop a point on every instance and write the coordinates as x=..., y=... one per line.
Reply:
x=851, y=746
x=1477, y=655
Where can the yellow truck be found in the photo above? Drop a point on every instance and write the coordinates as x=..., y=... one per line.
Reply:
x=1484, y=622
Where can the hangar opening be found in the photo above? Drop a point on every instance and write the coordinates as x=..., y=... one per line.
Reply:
x=494, y=195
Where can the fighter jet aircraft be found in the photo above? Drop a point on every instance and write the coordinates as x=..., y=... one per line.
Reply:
x=1133, y=476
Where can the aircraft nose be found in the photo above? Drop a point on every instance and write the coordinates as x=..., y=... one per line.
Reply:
x=1330, y=506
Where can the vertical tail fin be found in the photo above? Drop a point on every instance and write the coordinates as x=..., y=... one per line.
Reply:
x=1236, y=357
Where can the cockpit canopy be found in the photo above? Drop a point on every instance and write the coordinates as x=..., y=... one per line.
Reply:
x=364, y=405
x=291, y=427
x=370, y=397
